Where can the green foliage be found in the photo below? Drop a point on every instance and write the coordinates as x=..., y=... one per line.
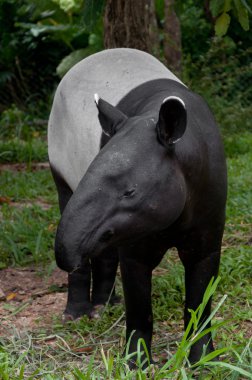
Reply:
x=34, y=38
x=95, y=44
x=194, y=23
x=220, y=10
x=23, y=68
x=71, y=59
x=223, y=77
x=22, y=136
x=69, y=5
x=92, y=12
x=222, y=24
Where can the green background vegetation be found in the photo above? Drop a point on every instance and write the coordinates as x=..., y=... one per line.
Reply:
x=40, y=41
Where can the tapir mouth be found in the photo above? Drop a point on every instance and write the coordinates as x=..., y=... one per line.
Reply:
x=97, y=242
x=72, y=258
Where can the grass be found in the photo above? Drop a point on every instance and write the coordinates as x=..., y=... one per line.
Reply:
x=18, y=150
x=90, y=349
x=61, y=356
x=27, y=186
x=28, y=218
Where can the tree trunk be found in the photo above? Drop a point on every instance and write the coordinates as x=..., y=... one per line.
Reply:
x=131, y=23
x=172, y=38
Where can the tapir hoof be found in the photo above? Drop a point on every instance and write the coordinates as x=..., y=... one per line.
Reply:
x=68, y=318
x=151, y=364
x=115, y=300
x=74, y=312
x=93, y=313
x=197, y=351
x=97, y=311
x=99, y=307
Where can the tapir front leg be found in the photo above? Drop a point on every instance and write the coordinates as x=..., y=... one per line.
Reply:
x=78, y=299
x=104, y=269
x=199, y=269
x=136, y=278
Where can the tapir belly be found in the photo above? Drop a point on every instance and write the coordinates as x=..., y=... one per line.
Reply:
x=74, y=132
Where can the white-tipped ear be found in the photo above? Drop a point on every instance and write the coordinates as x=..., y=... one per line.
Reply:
x=172, y=120
x=173, y=98
x=96, y=99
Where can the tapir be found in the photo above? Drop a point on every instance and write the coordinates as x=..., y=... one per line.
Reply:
x=139, y=166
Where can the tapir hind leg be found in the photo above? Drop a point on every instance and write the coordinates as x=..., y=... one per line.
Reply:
x=201, y=264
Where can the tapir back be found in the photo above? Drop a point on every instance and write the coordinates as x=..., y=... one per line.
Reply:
x=74, y=131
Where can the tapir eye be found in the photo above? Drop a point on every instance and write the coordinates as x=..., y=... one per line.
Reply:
x=129, y=193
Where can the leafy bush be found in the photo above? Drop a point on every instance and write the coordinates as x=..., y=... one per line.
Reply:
x=34, y=37
x=222, y=76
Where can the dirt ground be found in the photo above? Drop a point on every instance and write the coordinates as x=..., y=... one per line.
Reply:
x=29, y=299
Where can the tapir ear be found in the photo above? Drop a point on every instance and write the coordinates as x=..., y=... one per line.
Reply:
x=109, y=116
x=172, y=120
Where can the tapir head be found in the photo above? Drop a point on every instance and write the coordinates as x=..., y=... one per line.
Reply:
x=133, y=188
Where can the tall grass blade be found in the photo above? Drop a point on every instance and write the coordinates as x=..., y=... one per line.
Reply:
x=231, y=367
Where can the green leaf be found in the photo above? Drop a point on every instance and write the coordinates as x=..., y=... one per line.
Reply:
x=207, y=358
x=242, y=14
x=227, y=6
x=159, y=7
x=222, y=24
x=73, y=58
x=92, y=13
x=245, y=4
x=216, y=7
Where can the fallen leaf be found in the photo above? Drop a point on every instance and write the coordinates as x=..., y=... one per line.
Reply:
x=51, y=227
x=83, y=349
x=11, y=296
x=5, y=200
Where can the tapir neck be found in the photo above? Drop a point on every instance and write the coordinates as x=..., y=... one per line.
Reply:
x=147, y=97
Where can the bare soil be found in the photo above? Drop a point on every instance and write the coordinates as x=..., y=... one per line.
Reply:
x=20, y=167
x=30, y=299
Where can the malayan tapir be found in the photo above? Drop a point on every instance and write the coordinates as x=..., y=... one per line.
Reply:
x=139, y=168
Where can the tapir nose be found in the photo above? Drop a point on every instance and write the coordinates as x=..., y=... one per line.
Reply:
x=67, y=265
x=65, y=261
